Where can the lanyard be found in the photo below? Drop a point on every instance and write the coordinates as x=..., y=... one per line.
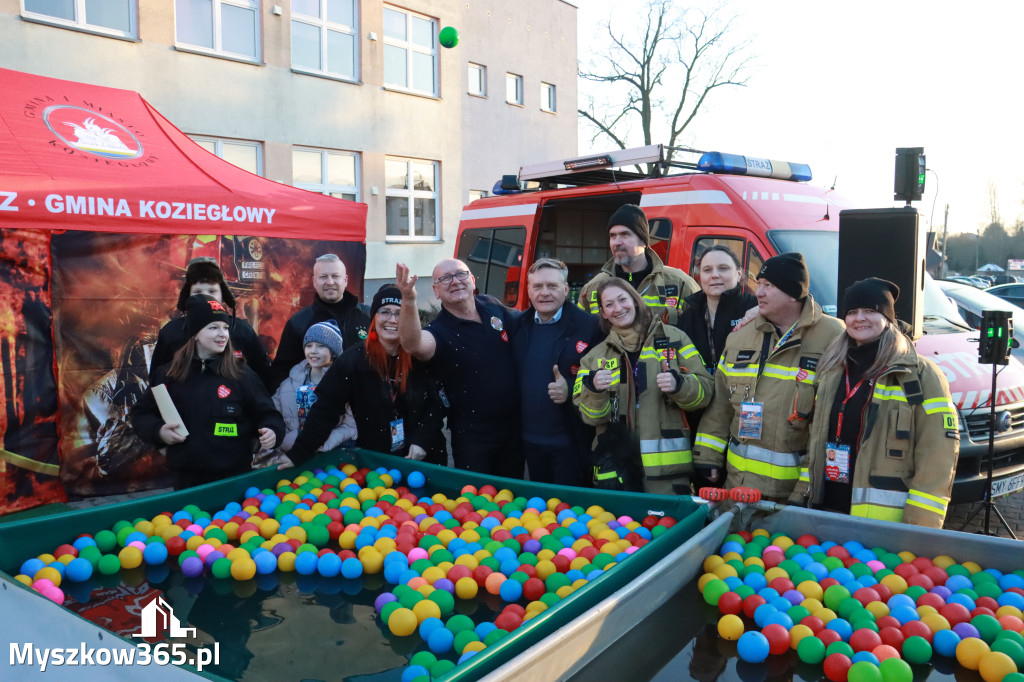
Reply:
x=842, y=407
x=785, y=337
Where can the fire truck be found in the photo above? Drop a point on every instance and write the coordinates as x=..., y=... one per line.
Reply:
x=756, y=207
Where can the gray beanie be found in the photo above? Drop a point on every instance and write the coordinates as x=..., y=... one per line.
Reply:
x=326, y=334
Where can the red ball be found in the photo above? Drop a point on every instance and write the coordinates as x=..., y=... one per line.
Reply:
x=828, y=636
x=981, y=611
x=561, y=563
x=884, y=651
x=888, y=622
x=773, y=558
x=778, y=638
x=955, y=613
x=866, y=595
x=561, y=507
x=488, y=490
x=751, y=603
x=667, y=521
x=916, y=627
x=920, y=580
x=729, y=603
x=905, y=570
x=533, y=589
x=864, y=639
x=500, y=535
x=347, y=554
x=827, y=583
x=650, y=522
x=65, y=549
x=517, y=609
x=528, y=570
x=807, y=540
x=480, y=574
x=508, y=621
x=938, y=575
x=813, y=622
x=893, y=637
x=457, y=572
x=850, y=561
x=782, y=585
x=334, y=529
x=837, y=666
x=922, y=563
x=175, y=545
x=838, y=551
x=588, y=553
x=884, y=593
x=987, y=603
x=931, y=599
x=746, y=535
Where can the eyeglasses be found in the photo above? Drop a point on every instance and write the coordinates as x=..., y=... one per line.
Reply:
x=445, y=280
x=386, y=314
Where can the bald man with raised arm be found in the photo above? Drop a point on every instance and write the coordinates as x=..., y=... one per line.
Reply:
x=467, y=347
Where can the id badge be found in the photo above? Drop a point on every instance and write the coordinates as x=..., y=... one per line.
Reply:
x=751, y=416
x=837, y=463
x=397, y=435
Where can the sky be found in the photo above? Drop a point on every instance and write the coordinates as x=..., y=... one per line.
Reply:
x=841, y=85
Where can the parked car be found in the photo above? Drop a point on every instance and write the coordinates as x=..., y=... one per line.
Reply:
x=970, y=303
x=983, y=282
x=1002, y=279
x=962, y=280
x=1014, y=293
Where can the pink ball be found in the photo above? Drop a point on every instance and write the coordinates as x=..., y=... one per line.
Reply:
x=417, y=553
x=568, y=553
x=42, y=584
x=139, y=544
x=771, y=548
x=875, y=565
x=54, y=594
x=625, y=519
x=195, y=528
x=204, y=550
x=631, y=549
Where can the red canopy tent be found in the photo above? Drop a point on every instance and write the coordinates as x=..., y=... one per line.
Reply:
x=102, y=203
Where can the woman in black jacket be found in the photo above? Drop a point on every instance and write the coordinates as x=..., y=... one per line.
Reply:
x=221, y=402
x=397, y=403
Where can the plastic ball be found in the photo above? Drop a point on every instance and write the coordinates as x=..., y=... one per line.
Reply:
x=192, y=566
x=945, y=642
x=811, y=650
x=864, y=671
x=778, y=638
x=402, y=622
x=837, y=667
x=440, y=639
x=969, y=652
x=753, y=647
x=895, y=670
x=78, y=570
x=154, y=554
x=243, y=569
x=448, y=37
x=416, y=479
x=994, y=666
x=917, y=650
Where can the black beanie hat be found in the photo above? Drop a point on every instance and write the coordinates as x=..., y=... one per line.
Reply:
x=874, y=294
x=201, y=310
x=633, y=218
x=204, y=269
x=787, y=272
x=386, y=295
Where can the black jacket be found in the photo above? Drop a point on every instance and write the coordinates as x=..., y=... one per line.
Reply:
x=351, y=380
x=244, y=340
x=732, y=306
x=352, y=321
x=581, y=332
x=209, y=403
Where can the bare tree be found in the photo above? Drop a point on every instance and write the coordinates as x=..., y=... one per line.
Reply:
x=662, y=78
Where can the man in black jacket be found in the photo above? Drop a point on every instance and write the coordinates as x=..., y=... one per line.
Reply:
x=331, y=302
x=548, y=341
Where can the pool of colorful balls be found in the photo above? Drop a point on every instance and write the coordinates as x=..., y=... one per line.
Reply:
x=428, y=555
x=864, y=614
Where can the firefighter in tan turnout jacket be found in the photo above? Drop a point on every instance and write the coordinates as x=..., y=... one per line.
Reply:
x=645, y=373
x=759, y=419
x=662, y=288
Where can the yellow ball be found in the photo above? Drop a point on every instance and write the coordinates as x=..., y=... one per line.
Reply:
x=373, y=562
x=426, y=608
x=906, y=556
x=826, y=615
x=466, y=588
x=776, y=572
x=475, y=645
x=131, y=557
x=243, y=569
x=943, y=561
x=896, y=583
x=1008, y=610
x=797, y=633
x=995, y=665
x=810, y=589
x=701, y=583
x=878, y=609
x=23, y=579
x=730, y=627
x=725, y=571
x=402, y=622
x=935, y=622
x=971, y=566
x=53, y=575
x=783, y=542
x=713, y=562
x=286, y=562
x=970, y=651
x=926, y=610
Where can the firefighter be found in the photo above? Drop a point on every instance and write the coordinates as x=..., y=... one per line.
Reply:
x=638, y=381
x=757, y=425
x=885, y=440
x=662, y=288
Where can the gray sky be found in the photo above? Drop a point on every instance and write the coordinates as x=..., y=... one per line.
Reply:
x=840, y=85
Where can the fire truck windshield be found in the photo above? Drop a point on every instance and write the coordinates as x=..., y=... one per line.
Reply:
x=821, y=251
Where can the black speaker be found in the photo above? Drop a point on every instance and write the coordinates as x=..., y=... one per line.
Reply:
x=886, y=243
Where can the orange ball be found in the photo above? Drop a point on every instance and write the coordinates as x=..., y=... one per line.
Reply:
x=493, y=582
x=1012, y=623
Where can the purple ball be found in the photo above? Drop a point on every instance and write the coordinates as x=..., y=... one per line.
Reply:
x=192, y=566
x=382, y=600
x=213, y=556
x=532, y=546
x=444, y=584
x=280, y=548
x=794, y=596
x=966, y=630
x=942, y=591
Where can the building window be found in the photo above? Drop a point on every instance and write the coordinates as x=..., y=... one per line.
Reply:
x=411, y=183
x=513, y=88
x=410, y=51
x=478, y=80
x=225, y=27
x=475, y=194
x=324, y=37
x=109, y=17
x=547, y=97
x=328, y=172
x=246, y=155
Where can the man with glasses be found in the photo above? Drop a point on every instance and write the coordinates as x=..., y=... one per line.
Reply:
x=468, y=348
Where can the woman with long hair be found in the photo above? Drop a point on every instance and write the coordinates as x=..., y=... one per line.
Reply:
x=222, y=403
x=884, y=438
x=397, y=403
x=638, y=381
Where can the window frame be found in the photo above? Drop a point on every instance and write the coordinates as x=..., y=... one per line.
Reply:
x=324, y=26
x=80, y=25
x=520, y=94
x=411, y=194
x=218, y=146
x=325, y=187
x=483, y=79
x=218, y=32
x=411, y=48
x=548, y=98
x=481, y=194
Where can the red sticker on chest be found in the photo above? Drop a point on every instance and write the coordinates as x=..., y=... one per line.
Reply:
x=223, y=391
x=801, y=375
x=581, y=346
x=504, y=336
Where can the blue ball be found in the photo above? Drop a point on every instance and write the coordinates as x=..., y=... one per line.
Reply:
x=468, y=655
x=414, y=671
x=416, y=479
x=79, y=570
x=82, y=542
x=31, y=566
x=865, y=656
x=329, y=565
x=904, y=614
x=395, y=475
x=762, y=612
x=156, y=553
x=841, y=627
x=441, y=640
x=898, y=600
x=266, y=563
x=755, y=581
x=1009, y=580
x=484, y=629
x=955, y=583
x=1011, y=599
x=351, y=568
x=944, y=642
x=305, y=563
x=428, y=626
x=511, y=590
x=959, y=598
x=752, y=647
x=780, y=618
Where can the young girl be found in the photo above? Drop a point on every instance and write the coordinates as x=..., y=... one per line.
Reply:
x=296, y=395
x=221, y=402
x=645, y=373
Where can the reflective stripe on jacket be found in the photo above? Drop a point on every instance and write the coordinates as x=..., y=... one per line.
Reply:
x=654, y=417
x=785, y=389
x=663, y=290
x=909, y=446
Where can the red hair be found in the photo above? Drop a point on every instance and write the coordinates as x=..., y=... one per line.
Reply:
x=378, y=359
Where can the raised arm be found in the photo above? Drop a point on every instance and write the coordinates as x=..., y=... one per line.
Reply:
x=414, y=339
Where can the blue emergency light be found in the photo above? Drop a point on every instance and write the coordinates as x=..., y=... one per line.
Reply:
x=737, y=164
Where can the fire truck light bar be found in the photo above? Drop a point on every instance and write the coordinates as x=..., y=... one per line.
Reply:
x=736, y=164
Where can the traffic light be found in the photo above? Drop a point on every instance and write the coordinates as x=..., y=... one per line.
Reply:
x=909, y=179
x=996, y=337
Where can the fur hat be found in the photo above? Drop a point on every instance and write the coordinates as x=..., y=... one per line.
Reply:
x=386, y=295
x=633, y=218
x=204, y=269
x=326, y=334
x=201, y=310
x=874, y=294
x=788, y=272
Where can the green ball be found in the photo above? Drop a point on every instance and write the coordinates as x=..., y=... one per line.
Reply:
x=221, y=568
x=106, y=540
x=440, y=668
x=915, y=592
x=988, y=627
x=109, y=564
x=444, y=600
x=834, y=596
x=864, y=671
x=1011, y=649
x=1014, y=677
x=460, y=623
x=1012, y=636
x=92, y=554
x=896, y=670
x=448, y=37
x=556, y=581
x=811, y=650
x=424, y=658
x=860, y=570
x=410, y=599
x=713, y=590
x=389, y=608
x=463, y=638
x=839, y=648
x=917, y=650
x=848, y=607
x=495, y=636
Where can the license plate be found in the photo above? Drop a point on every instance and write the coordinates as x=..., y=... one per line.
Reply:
x=1006, y=486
